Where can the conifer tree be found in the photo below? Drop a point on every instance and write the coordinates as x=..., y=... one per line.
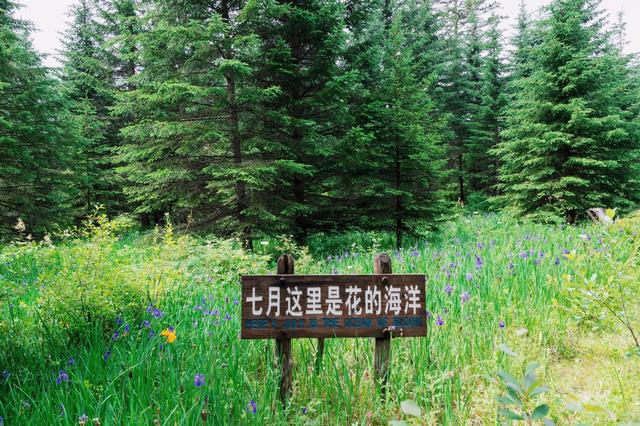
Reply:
x=406, y=158
x=88, y=82
x=38, y=136
x=193, y=149
x=302, y=44
x=571, y=139
x=464, y=24
x=485, y=127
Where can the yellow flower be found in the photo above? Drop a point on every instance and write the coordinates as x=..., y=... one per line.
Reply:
x=169, y=334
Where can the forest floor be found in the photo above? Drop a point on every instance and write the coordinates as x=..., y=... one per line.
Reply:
x=139, y=328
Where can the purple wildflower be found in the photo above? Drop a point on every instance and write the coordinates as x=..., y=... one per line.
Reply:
x=127, y=329
x=469, y=276
x=429, y=315
x=71, y=361
x=151, y=334
x=440, y=321
x=524, y=254
x=304, y=410
x=146, y=323
x=501, y=324
x=448, y=289
x=115, y=336
x=227, y=317
x=157, y=313
x=118, y=320
x=62, y=377
x=565, y=251
x=464, y=297
x=557, y=261
x=83, y=419
x=415, y=253
x=236, y=301
x=198, y=380
x=1, y=421
x=480, y=246
x=106, y=355
x=479, y=262
x=253, y=407
x=511, y=266
x=149, y=308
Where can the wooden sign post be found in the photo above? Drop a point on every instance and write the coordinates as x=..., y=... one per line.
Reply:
x=286, y=306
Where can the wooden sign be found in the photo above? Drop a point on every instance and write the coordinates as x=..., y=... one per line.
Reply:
x=292, y=306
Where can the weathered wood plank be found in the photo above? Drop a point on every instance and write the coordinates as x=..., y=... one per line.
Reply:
x=381, y=305
x=283, y=344
x=382, y=356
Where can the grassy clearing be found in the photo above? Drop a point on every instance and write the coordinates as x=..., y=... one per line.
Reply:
x=68, y=350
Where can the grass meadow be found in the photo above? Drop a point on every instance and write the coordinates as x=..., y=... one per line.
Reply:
x=113, y=326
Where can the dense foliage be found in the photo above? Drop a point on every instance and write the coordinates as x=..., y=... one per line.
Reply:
x=252, y=118
x=134, y=328
x=39, y=140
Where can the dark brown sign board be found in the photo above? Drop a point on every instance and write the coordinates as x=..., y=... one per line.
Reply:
x=292, y=306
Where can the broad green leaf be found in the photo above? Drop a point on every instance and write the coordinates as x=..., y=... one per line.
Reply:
x=505, y=400
x=514, y=387
x=539, y=390
x=531, y=368
x=410, y=408
x=515, y=397
x=510, y=414
x=504, y=348
x=530, y=376
x=531, y=385
x=540, y=412
x=506, y=377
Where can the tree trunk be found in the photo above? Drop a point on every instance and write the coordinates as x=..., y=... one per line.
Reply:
x=460, y=179
x=236, y=144
x=398, y=175
x=236, y=148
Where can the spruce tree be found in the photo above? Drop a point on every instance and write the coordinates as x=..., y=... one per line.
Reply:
x=485, y=127
x=571, y=138
x=463, y=26
x=302, y=47
x=38, y=136
x=88, y=81
x=194, y=149
x=406, y=159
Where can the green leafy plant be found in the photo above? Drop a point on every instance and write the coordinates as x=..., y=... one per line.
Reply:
x=520, y=400
x=605, y=280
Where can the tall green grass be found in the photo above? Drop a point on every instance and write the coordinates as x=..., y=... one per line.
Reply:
x=489, y=281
